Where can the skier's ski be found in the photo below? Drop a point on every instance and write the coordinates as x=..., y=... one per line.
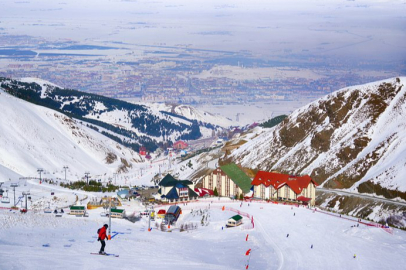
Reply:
x=107, y=254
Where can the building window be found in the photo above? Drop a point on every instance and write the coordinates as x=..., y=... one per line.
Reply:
x=219, y=180
x=183, y=192
x=211, y=182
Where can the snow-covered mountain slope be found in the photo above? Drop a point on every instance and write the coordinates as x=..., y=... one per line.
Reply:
x=33, y=137
x=193, y=114
x=133, y=125
x=351, y=139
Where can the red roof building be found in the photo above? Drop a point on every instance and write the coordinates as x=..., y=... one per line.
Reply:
x=269, y=185
x=180, y=145
x=143, y=151
x=204, y=192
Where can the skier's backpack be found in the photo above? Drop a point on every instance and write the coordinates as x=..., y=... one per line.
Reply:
x=98, y=230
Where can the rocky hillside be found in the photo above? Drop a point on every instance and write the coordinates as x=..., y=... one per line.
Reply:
x=351, y=139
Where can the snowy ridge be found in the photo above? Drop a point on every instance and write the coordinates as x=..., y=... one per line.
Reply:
x=352, y=136
x=192, y=113
x=46, y=85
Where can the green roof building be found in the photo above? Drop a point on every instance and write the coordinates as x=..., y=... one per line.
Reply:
x=228, y=180
x=117, y=213
x=170, y=181
x=234, y=221
x=77, y=210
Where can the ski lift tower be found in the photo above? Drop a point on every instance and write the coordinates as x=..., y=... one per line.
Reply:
x=40, y=171
x=14, y=185
x=87, y=177
x=26, y=194
x=65, y=168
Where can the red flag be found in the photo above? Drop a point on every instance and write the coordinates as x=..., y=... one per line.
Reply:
x=247, y=266
x=246, y=238
x=248, y=252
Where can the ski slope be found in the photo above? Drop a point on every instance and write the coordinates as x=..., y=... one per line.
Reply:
x=48, y=242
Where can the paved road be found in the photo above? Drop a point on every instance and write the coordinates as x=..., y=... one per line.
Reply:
x=341, y=192
x=202, y=143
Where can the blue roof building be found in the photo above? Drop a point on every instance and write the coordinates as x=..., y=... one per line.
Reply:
x=174, y=190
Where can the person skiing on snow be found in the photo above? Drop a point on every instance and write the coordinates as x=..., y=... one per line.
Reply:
x=102, y=236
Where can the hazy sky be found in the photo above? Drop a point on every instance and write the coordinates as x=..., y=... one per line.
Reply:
x=350, y=29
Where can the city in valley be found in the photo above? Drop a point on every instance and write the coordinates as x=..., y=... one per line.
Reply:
x=201, y=53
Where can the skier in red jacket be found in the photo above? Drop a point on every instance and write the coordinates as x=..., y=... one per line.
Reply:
x=102, y=236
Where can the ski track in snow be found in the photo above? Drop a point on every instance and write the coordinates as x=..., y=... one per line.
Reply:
x=270, y=242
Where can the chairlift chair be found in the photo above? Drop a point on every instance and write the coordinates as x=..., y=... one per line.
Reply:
x=5, y=199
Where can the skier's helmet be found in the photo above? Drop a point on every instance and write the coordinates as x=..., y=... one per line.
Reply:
x=106, y=226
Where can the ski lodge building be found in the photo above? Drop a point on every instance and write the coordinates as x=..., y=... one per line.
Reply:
x=180, y=145
x=117, y=213
x=229, y=180
x=143, y=151
x=173, y=190
x=77, y=210
x=276, y=186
